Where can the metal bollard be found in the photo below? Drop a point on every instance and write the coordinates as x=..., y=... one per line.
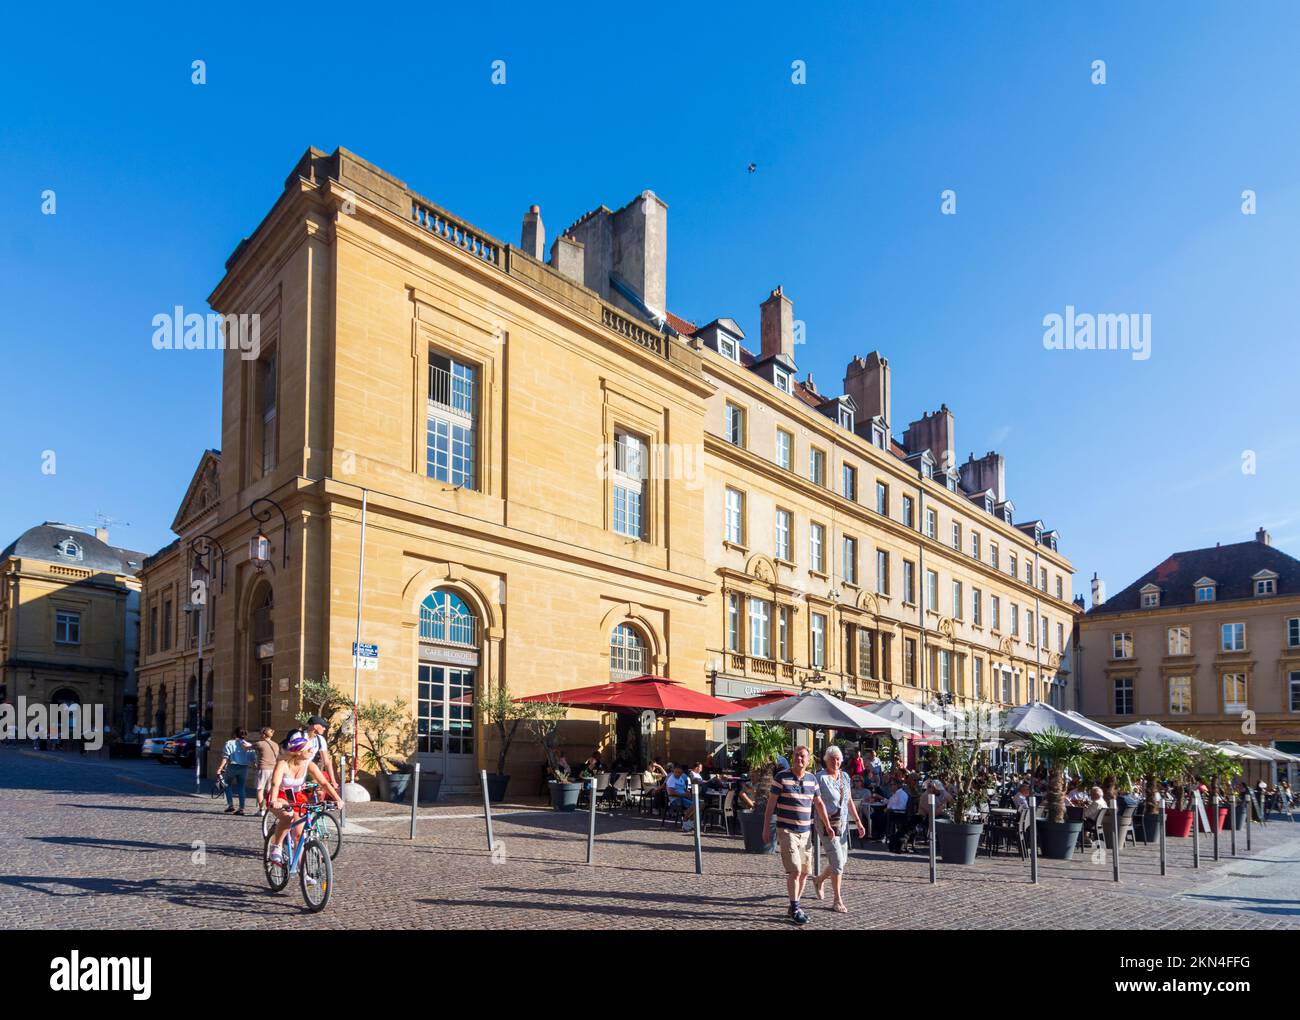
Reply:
x=1196, y=828
x=1215, y=824
x=1115, y=837
x=1232, y=820
x=1249, y=811
x=487, y=811
x=934, y=864
x=699, y=850
x=343, y=800
x=591, y=823
x=1033, y=838
x=415, y=797
x=1162, y=835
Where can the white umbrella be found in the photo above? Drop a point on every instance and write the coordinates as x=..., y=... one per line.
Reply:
x=1105, y=730
x=1233, y=750
x=1148, y=730
x=905, y=714
x=1039, y=717
x=818, y=710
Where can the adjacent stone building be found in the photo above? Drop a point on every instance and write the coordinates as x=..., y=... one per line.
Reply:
x=556, y=481
x=69, y=621
x=1207, y=642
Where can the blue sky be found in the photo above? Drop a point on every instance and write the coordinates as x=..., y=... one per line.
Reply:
x=1115, y=198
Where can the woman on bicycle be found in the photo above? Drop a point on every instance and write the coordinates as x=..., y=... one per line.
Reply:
x=291, y=773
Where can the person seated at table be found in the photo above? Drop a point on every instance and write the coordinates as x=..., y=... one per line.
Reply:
x=655, y=770
x=590, y=767
x=696, y=773
x=562, y=763
x=678, y=787
x=1095, y=806
x=1021, y=799
x=897, y=798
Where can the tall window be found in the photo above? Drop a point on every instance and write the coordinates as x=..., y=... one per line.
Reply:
x=977, y=607
x=1180, y=695
x=931, y=524
x=1042, y=578
x=850, y=560
x=1043, y=632
x=866, y=653
x=1293, y=690
x=733, y=622
x=1293, y=631
x=909, y=582
x=629, y=485
x=850, y=482
x=735, y=517
x=1029, y=571
x=956, y=600
x=445, y=618
x=67, y=628
x=1235, y=700
x=783, y=535
x=817, y=547
x=977, y=678
x=1012, y=563
x=817, y=466
x=735, y=425
x=1015, y=620
x=783, y=634
x=784, y=449
x=932, y=591
x=1124, y=696
x=882, y=499
x=1007, y=693
x=995, y=612
x=909, y=661
x=975, y=544
x=627, y=653
x=1180, y=640
x=945, y=671
x=1121, y=644
x=452, y=422
x=909, y=512
x=1060, y=587
x=993, y=555
x=760, y=628
x=818, y=640
x=956, y=535
x=1060, y=637
x=882, y=572
x=266, y=386
x=167, y=625
x=1233, y=637
x=153, y=629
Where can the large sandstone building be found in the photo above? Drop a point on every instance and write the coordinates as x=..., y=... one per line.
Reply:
x=561, y=482
x=1207, y=641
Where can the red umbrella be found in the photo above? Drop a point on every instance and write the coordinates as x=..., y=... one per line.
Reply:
x=659, y=694
x=766, y=698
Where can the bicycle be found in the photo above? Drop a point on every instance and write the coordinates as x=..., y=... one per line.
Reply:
x=329, y=826
x=307, y=856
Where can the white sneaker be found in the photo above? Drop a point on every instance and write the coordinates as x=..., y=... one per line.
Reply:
x=277, y=855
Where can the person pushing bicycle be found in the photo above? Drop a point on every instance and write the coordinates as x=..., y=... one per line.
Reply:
x=291, y=774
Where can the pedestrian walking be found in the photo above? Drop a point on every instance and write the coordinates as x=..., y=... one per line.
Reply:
x=268, y=751
x=235, y=756
x=835, y=790
x=793, y=799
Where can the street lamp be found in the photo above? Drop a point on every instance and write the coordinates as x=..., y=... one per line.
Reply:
x=259, y=546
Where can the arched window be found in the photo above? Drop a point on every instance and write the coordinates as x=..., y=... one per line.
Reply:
x=70, y=549
x=627, y=652
x=444, y=617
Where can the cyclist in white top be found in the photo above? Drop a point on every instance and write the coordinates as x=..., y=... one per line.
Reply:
x=291, y=773
x=314, y=731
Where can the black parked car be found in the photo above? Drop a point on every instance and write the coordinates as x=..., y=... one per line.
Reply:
x=180, y=749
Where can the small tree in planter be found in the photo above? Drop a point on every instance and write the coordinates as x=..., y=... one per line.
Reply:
x=387, y=738
x=322, y=698
x=1217, y=770
x=764, y=743
x=500, y=710
x=1156, y=761
x=1058, y=751
x=543, y=721
x=958, y=762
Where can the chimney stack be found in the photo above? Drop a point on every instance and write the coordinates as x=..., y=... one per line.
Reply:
x=1098, y=590
x=1263, y=537
x=568, y=257
x=533, y=237
x=633, y=243
x=102, y=535
x=866, y=380
x=777, y=324
x=989, y=472
x=933, y=432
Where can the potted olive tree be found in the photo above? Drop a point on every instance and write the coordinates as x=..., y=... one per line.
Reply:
x=1058, y=751
x=501, y=711
x=543, y=721
x=387, y=739
x=958, y=763
x=764, y=743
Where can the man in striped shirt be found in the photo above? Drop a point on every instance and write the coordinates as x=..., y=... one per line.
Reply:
x=793, y=798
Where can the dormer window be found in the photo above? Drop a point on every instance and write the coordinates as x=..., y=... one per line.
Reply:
x=877, y=436
x=1205, y=589
x=927, y=470
x=1265, y=583
x=1150, y=596
x=70, y=549
x=1038, y=534
x=1051, y=541
x=728, y=347
x=950, y=480
x=1006, y=514
x=846, y=418
x=988, y=504
x=781, y=379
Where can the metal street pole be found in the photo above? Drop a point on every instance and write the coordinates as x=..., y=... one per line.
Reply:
x=356, y=658
x=1033, y=838
x=591, y=824
x=1232, y=820
x=934, y=864
x=699, y=851
x=1216, y=823
x=1114, y=825
x=487, y=810
x=415, y=797
x=1162, y=835
x=1196, y=828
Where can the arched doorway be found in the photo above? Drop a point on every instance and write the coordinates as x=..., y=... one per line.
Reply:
x=449, y=663
x=629, y=657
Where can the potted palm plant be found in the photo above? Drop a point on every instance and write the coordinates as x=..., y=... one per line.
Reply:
x=958, y=762
x=501, y=711
x=1157, y=761
x=1217, y=770
x=1180, y=817
x=764, y=743
x=1058, y=751
x=386, y=739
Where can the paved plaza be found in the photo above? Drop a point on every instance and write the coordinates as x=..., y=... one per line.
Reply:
x=91, y=843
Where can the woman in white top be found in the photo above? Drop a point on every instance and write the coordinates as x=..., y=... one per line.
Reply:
x=836, y=792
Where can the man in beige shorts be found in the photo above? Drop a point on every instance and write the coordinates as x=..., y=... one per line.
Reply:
x=793, y=798
x=267, y=753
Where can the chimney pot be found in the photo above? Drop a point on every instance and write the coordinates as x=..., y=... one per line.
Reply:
x=777, y=315
x=532, y=239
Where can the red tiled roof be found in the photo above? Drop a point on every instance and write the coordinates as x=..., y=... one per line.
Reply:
x=681, y=325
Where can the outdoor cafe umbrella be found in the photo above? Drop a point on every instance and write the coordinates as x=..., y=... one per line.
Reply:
x=817, y=710
x=1039, y=717
x=1105, y=730
x=1149, y=730
x=1234, y=750
x=660, y=695
x=905, y=714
